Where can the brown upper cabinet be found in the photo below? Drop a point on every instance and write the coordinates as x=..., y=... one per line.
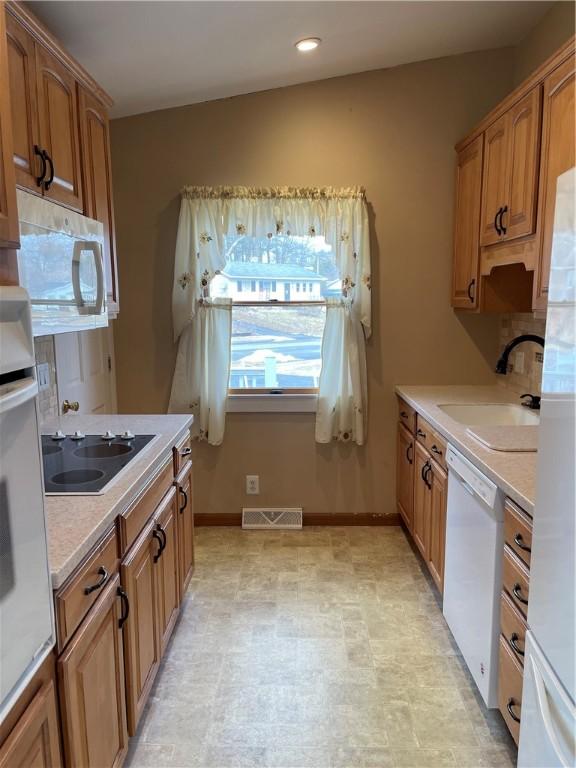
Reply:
x=59, y=130
x=558, y=155
x=467, y=221
x=510, y=174
x=9, y=237
x=44, y=119
x=507, y=169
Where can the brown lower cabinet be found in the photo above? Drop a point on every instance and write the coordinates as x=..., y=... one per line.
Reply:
x=421, y=488
x=510, y=689
x=35, y=741
x=150, y=579
x=91, y=686
x=185, y=528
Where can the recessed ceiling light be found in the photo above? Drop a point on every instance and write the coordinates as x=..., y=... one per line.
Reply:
x=308, y=44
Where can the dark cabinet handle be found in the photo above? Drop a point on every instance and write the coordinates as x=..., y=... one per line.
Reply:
x=423, y=471
x=103, y=573
x=436, y=450
x=513, y=643
x=404, y=414
x=512, y=703
x=409, y=453
x=426, y=475
x=161, y=541
x=471, y=285
x=125, y=607
x=496, y=225
x=420, y=433
x=40, y=153
x=183, y=507
x=48, y=182
x=502, y=212
x=186, y=451
x=519, y=541
x=517, y=591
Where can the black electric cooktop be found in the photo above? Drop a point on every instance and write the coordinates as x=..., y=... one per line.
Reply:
x=88, y=464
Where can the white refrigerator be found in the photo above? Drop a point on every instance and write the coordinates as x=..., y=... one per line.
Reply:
x=548, y=716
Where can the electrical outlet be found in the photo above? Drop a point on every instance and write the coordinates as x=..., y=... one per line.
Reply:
x=252, y=485
x=519, y=362
x=43, y=376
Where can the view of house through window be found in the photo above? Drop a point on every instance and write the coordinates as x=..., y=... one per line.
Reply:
x=279, y=285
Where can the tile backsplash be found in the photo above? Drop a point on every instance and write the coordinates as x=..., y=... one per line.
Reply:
x=47, y=398
x=530, y=378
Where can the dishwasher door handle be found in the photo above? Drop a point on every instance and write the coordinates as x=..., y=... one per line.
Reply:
x=467, y=487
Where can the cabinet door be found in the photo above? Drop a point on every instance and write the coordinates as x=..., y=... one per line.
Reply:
x=421, y=499
x=185, y=528
x=91, y=687
x=522, y=172
x=97, y=183
x=467, y=226
x=405, y=474
x=9, y=229
x=35, y=740
x=494, y=186
x=139, y=575
x=437, y=534
x=22, y=70
x=558, y=155
x=168, y=591
x=59, y=128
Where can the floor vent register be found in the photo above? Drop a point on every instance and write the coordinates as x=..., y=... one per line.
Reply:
x=257, y=519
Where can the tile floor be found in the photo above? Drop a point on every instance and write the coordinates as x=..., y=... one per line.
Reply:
x=311, y=649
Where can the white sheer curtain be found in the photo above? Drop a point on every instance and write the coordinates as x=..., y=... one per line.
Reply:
x=207, y=216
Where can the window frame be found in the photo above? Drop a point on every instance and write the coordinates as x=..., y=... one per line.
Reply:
x=297, y=399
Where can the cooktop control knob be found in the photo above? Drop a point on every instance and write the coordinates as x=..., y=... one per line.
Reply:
x=58, y=435
x=78, y=435
x=127, y=435
x=108, y=435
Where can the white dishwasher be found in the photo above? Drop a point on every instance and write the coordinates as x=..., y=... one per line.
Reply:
x=473, y=570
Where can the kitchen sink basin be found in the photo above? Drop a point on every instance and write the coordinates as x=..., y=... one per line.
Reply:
x=490, y=414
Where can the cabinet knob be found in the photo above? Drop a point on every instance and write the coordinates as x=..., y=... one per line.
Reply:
x=68, y=405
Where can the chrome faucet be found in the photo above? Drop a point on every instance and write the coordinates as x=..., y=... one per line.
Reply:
x=502, y=364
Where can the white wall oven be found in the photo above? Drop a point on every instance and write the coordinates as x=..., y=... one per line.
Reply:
x=26, y=620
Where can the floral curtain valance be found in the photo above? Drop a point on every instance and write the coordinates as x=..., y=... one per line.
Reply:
x=209, y=214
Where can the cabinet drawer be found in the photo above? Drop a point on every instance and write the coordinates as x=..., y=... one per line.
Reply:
x=433, y=441
x=516, y=580
x=181, y=453
x=142, y=509
x=75, y=598
x=518, y=531
x=510, y=689
x=407, y=415
x=513, y=627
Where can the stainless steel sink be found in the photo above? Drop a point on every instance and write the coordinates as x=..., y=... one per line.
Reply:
x=490, y=414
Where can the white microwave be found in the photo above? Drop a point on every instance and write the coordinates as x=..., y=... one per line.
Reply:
x=60, y=264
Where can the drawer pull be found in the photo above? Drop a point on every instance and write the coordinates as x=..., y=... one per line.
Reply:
x=125, y=607
x=103, y=573
x=186, y=451
x=513, y=643
x=158, y=533
x=519, y=541
x=183, y=507
x=404, y=414
x=420, y=433
x=517, y=592
x=437, y=450
x=512, y=703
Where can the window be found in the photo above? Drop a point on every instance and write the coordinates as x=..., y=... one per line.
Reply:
x=277, y=333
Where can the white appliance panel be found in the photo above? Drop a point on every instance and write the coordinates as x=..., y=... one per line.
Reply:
x=473, y=570
x=548, y=717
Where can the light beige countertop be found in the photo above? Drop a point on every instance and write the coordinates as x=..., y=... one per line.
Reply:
x=76, y=523
x=514, y=473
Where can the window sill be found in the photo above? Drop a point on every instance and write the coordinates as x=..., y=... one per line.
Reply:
x=285, y=403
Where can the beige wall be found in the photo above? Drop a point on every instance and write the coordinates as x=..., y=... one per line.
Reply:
x=392, y=131
x=554, y=29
